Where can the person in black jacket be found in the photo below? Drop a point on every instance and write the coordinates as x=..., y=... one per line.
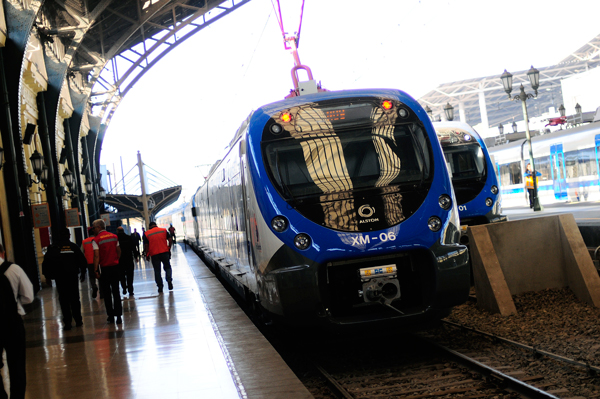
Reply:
x=66, y=260
x=127, y=246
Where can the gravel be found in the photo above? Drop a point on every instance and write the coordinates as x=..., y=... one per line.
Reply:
x=552, y=320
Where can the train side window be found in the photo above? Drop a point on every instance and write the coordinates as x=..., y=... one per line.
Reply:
x=571, y=163
x=586, y=162
x=510, y=174
x=542, y=165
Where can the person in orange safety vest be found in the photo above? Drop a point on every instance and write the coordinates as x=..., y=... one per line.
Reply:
x=106, y=265
x=88, y=251
x=158, y=247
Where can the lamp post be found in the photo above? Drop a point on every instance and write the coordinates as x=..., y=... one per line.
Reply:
x=562, y=110
x=578, y=112
x=449, y=111
x=429, y=112
x=501, y=129
x=534, y=78
x=514, y=127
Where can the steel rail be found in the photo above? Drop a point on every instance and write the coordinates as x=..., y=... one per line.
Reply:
x=494, y=376
x=338, y=389
x=592, y=370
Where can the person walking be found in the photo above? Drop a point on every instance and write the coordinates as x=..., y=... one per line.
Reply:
x=172, y=233
x=126, y=260
x=158, y=247
x=136, y=242
x=106, y=266
x=67, y=261
x=88, y=250
x=15, y=291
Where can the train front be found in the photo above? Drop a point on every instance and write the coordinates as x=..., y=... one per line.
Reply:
x=362, y=221
x=475, y=183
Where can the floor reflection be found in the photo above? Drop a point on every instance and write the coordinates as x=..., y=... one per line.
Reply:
x=165, y=348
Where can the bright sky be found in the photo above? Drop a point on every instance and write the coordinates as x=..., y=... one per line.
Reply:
x=186, y=109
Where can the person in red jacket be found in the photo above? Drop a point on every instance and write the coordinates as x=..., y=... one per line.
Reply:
x=158, y=246
x=88, y=251
x=106, y=265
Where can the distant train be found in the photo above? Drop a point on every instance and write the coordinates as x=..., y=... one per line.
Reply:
x=175, y=217
x=568, y=161
x=473, y=176
x=335, y=208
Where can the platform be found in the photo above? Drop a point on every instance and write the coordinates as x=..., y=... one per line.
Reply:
x=192, y=342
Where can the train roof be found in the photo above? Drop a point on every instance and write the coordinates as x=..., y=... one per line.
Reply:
x=583, y=129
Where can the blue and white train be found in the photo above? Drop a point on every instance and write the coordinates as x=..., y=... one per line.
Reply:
x=335, y=208
x=473, y=175
x=568, y=161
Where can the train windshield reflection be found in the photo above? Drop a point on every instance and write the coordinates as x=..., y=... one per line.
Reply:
x=330, y=162
x=465, y=161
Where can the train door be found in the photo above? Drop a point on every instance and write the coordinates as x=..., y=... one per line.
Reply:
x=557, y=157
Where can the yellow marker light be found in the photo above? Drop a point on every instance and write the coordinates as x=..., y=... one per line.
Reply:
x=387, y=105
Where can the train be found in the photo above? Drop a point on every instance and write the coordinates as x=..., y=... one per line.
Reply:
x=473, y=174
x=173, y=216
x=334, y=209
x=567, y=159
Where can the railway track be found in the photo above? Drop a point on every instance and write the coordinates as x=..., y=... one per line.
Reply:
x=430, y=370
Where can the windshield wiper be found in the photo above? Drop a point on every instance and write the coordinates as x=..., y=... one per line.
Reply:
x=283, y=185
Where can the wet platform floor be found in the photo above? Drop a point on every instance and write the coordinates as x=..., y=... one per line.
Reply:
x=191, y=342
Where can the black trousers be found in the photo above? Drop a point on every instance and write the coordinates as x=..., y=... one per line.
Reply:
x=109, y=285
x=68, y=297
x=127, y=276
x=12, y=339
x=530, y=192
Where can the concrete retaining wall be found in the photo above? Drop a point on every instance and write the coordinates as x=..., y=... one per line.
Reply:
x=530, y=255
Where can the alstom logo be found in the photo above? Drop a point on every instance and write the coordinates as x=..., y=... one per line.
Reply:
x=366, y=211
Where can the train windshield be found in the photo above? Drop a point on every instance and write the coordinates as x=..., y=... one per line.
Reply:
x=465, y=162
x=352, y=159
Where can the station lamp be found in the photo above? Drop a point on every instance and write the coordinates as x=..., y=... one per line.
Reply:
x=507, y=82
x=37, y=161
x=501, y=129
x=561, y=110
x=534, y=78
x=68, y=176
x=514, y=127
x=429, y=112
x=578, y=109
x=449, y=111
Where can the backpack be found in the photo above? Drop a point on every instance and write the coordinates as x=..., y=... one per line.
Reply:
x=8, y=304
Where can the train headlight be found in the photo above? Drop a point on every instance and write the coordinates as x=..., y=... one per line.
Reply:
x=402, y=113
x=279, y=224
x=494, y=190
x=445, y=202
x=434, y=223
x=489, y=202
x=276, y=129
x=302, y=241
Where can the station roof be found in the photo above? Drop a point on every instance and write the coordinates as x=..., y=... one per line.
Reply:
x=499, y=108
